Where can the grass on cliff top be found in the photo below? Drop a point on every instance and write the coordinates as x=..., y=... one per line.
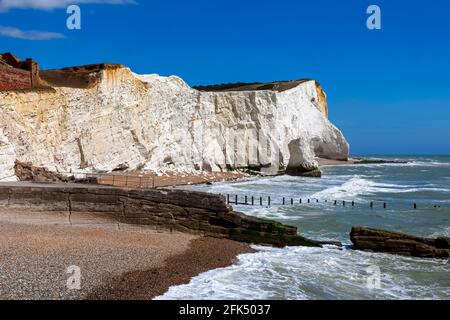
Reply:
x=253, y=86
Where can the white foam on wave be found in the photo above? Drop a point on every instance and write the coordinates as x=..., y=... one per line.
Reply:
x=255, y=183
x=356, y=186
x=324, y=273
x=360, y=186
x=443, y=232
x=300, y=273
x=415, y=163
x=274, y=213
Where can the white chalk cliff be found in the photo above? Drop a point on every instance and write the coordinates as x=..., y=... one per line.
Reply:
x=124, y=120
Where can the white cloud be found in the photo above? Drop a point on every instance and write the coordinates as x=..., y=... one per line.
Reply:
x=29, y=34
x=6, y=5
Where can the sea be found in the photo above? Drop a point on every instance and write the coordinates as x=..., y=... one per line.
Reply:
x=303, y=273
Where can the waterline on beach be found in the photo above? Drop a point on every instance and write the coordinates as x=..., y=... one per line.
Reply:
x=330, y=273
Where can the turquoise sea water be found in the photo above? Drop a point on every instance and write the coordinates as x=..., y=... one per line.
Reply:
x=331, y=273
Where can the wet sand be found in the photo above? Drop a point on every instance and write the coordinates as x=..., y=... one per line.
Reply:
x=116, y=262
x=203, y=254
x=329, y=162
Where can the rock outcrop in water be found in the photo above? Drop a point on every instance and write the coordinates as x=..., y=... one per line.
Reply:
x=377, y=240
x=302, y=159
x=104, y=117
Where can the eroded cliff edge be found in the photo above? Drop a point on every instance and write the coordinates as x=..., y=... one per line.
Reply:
x=104, y=117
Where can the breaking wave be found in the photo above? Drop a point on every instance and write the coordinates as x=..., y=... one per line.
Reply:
x=408, y=163
x=360, y=186
x=300, y=273
x=329, y=273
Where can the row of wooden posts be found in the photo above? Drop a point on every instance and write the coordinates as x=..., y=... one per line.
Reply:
x=252, y=201
x=149, y=182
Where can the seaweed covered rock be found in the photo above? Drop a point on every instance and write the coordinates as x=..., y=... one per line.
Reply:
x=377, y=240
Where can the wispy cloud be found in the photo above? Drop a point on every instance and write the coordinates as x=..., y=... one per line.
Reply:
x=6, y=5
x=12, y=32
x=29, y=34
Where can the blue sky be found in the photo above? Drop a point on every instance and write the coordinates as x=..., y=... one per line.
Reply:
x=388, y=90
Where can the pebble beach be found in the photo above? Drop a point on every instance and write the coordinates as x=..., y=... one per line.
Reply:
x=121, y=262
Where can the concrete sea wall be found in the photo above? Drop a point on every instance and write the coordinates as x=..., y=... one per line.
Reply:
x=177, y=210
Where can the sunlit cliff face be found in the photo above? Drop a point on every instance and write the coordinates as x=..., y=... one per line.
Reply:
x=123, y=120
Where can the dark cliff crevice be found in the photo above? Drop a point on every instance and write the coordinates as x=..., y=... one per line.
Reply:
x=83, y=163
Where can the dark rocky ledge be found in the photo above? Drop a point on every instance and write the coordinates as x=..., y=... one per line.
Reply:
x=377, y=161
x=170, y=209
x=377, y=240
x=300, y=172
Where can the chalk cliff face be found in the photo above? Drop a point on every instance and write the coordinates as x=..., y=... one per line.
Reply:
x=7, y=159
x=123, y=120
